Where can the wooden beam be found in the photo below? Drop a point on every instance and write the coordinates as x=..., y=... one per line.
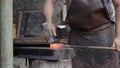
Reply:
x=44, y=53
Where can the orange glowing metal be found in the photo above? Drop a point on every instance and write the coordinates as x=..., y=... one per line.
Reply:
x=56, y=45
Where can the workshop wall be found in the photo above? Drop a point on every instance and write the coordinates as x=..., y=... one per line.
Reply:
x=30, y=5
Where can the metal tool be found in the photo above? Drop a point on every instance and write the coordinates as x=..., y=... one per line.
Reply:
x=91, y=47
x=49, y=37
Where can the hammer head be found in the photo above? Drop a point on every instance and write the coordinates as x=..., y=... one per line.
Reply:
x=48, y=35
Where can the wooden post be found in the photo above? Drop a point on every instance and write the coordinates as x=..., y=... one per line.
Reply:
x=6, y=39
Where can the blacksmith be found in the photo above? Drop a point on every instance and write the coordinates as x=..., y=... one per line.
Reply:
x=92, y=24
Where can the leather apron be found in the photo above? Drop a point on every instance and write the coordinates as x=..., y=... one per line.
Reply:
x=86, y=14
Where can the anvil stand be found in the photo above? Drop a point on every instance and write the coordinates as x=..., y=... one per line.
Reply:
x=45, y=57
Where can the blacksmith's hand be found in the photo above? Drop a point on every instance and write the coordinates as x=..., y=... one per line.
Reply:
x=116, y=44
x=52, y=29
